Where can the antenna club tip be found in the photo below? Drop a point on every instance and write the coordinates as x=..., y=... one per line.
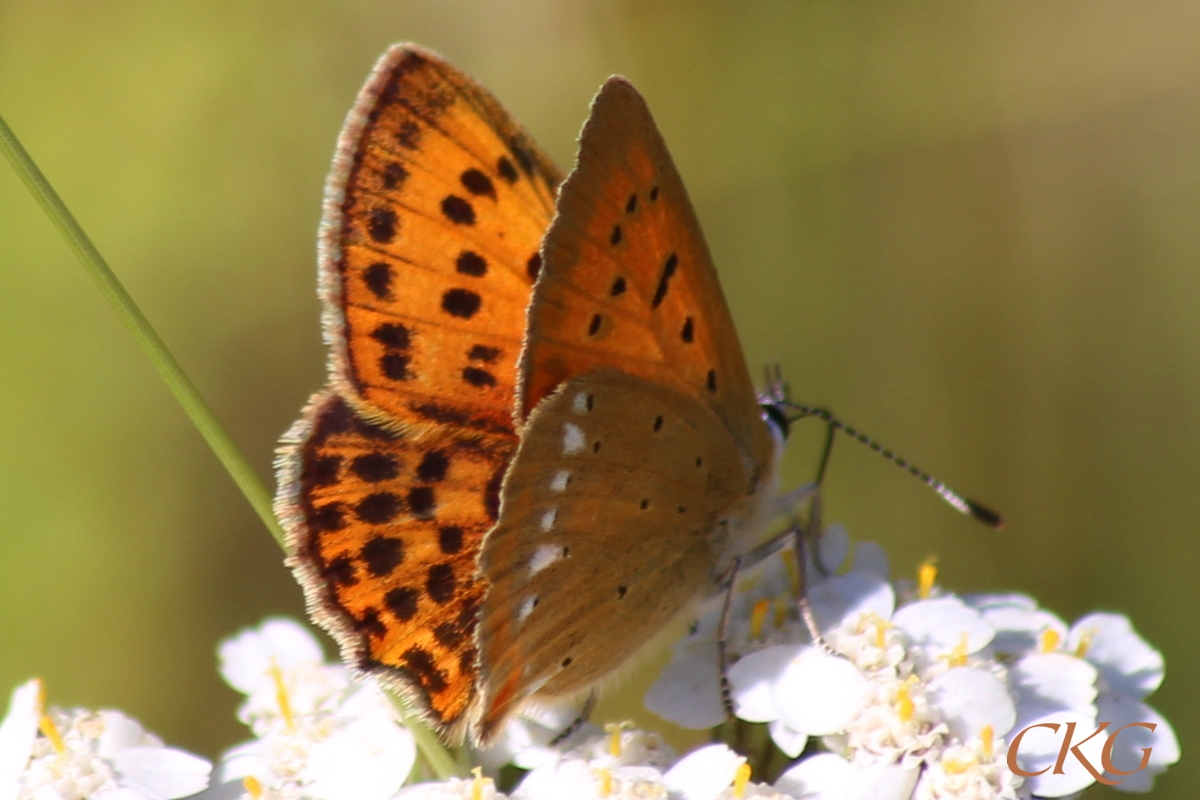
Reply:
x=985, y=515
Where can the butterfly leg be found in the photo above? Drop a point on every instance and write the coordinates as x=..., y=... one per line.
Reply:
x=580, y=720
x=722, y=645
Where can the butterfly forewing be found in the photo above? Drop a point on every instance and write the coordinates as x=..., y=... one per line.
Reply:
x=606, y=532
x=643, y=454
x=434, y=215
x=628, y=279
x=434, y=212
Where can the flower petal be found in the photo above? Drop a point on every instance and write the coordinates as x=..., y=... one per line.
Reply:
x=161, y=771
x=970, y=699
x=791, y=742
x=17, y=734
x=847, y=597
x=1130, y=744
x=1038, y=750
x=752, y=681
x=703, y=774
x=1128, y=664
x=1054, y=681
x=819, y=694
x=938, y=625
x=688, y=690
x=825, y=776
x=246, y=659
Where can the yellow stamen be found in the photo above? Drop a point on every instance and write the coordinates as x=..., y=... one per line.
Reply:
x=757, y=617
x=605, y=778
x=252, y=786
x=988, y=737
x=955, y=767
x=50, y=731
x=958, y=656
x=881, y=628
x=46, y=725
x=613, y=729
x=740, y=780
x=1050, y=640
x=479, y=783
x=281, y=697
x=904, y=703
x=1085, y=642
x=926, y=576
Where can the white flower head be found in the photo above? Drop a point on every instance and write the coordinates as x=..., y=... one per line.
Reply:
x=320, y=733
x=88, y=754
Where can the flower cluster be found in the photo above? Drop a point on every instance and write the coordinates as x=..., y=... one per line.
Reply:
x=915, y=692
x=909, y=693
x=48, y=753
x=319, y=732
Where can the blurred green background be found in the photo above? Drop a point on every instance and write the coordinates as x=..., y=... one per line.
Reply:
x=972, y=229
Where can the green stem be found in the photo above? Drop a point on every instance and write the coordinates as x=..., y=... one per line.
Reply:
x=436, y=757
x=166, y=365
x=177, y=381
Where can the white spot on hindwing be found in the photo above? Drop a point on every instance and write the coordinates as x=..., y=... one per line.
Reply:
x=548, y=517
x=527, y=606
x=572, y=439
x=559, y=482
x=543, y=557
x=579, y=406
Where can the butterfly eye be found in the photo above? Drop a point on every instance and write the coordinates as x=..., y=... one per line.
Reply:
x=773, y=415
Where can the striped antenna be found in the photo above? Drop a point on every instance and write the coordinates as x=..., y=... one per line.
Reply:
x=965, y=505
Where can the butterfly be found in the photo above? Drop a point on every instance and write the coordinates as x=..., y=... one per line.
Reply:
x=539, y=442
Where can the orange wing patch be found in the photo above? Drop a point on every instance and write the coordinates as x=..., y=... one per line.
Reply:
x=435, y=211
x=629, y=282
x=385, y=536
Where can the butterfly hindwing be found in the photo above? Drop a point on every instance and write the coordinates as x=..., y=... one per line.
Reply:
x=606, y=532
x=435, y=210
x=384, y=532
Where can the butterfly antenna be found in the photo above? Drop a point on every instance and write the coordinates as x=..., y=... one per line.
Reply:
x=965, y=505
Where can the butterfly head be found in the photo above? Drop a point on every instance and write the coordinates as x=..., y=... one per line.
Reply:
x=774, y=404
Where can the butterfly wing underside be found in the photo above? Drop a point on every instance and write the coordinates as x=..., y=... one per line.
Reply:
x=606, y=533
x=629, y=316
x=629, y=281
x=434, y=213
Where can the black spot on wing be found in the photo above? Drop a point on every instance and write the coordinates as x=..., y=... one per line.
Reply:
x=478, y=184
x=507, y=170
x=471, y=263
x=479, y=378
x=462, y=303
x=382, y=554
x=458, y=210
x=392, y=335
x=378, y=280
x=440, y=583
x=375, y=467
x=381, y=225
x=664, y=280
x=393, y=175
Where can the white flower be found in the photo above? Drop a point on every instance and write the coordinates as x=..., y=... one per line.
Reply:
x=477, y=788
x=621, y=763
x=88, y=754
x=320, y=733
x=968, y=772
x=925, y=696
x=827, y=776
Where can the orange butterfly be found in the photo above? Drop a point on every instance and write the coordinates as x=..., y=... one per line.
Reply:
x=508, y=487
